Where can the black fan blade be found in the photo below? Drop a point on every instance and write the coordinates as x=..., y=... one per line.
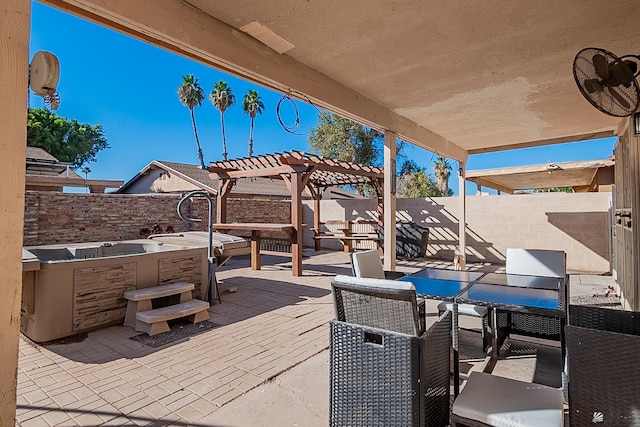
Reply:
x=601, y=66
x=593, y=85
x=614, y=92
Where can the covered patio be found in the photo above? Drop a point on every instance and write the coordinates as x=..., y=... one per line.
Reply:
x=455, y=79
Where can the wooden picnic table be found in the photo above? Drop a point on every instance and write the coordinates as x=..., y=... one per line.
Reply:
x=256, y=228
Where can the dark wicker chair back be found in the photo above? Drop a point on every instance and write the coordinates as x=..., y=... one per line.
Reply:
x=604, y=379
x=605, y=319
x=377, y=303
x=388, y=379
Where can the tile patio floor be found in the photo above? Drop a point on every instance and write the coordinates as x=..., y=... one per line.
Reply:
x=266, y=362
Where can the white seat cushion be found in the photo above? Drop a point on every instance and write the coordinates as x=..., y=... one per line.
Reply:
x=367, y=264
x=536, y=262
x=466, y=309
x=375, y=283
x=503, y=402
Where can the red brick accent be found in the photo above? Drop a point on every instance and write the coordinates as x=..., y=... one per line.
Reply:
x=52, y=217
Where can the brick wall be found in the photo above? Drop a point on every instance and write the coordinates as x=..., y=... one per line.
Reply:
x=52, y=217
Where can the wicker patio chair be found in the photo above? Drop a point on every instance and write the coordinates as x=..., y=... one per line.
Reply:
x=368, y=264
x=603, y=376
x=604, y=379
x=606, y=319
x=534, y=262
x=490, y=400
x=385, y=369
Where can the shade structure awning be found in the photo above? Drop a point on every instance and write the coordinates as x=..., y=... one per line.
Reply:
x=582, y=176
x=299, y=170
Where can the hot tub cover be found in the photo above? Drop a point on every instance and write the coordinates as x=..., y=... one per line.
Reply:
x=223, y=244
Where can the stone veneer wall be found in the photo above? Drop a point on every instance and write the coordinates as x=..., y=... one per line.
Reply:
x=52, y=217
x=577, y=223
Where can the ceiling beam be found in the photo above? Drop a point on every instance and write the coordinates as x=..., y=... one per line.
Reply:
x=179, y=28
x=484, y=182
x=571, y=138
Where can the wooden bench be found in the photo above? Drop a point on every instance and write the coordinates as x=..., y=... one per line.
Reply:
x=155, y=321
x=346, y=232
x=141, y=299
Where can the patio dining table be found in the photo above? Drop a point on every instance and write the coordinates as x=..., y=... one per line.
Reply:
x=535, y=295
x=532, y=295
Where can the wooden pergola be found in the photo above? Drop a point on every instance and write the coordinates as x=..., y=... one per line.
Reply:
x=299, y=170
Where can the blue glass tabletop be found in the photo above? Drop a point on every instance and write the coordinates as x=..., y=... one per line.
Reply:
x=435, y=273
x=538, y=282
x=434, y=288
x=510, y=295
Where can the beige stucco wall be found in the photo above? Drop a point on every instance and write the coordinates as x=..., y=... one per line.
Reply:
x=576, y=223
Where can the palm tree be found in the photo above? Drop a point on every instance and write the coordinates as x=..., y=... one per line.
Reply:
x=222, y=98
x=85, y=170
x=252, y=106
x=443, y=172
x=191, y=96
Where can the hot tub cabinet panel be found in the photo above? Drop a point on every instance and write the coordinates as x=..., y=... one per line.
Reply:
x=84, y=291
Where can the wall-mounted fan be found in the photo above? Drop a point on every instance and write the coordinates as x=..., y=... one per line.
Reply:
x=608, y=82
x=44, y=73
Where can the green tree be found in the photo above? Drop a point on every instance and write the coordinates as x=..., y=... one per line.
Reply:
x=191, y=95
x=418, y=185
x=442, y=169
x=415, y=182
x=66, y=140
x=554, y=190
x=222, y=98
x=252, y=106
x=85, y=170
x=339, y=138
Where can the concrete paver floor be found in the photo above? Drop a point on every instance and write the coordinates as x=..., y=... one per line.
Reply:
x=264, y=364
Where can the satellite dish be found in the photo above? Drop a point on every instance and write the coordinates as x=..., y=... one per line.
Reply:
x=44, y=73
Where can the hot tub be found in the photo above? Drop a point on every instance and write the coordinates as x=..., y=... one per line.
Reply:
x=79, y=287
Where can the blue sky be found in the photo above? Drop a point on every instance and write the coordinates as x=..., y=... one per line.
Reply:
x=129, y=87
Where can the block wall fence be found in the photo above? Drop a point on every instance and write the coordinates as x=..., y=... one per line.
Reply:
x=579, y=224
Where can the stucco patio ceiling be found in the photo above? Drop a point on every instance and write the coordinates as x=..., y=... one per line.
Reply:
x=456, y=77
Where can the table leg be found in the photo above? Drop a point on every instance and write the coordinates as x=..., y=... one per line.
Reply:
x=255, y=250
x=495, y=342
x=456, y=355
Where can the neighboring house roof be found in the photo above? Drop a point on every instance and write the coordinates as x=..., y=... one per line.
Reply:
x=45, y=172
x=590, y=175
x=149, y=180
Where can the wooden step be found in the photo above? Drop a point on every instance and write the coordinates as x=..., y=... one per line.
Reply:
x=158, y=291
x=155, y=321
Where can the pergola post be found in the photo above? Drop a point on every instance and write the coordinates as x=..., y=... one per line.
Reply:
x=15, y=18
x=224, y=188
x=317, y=196
x=297, y=187
x=389, y=200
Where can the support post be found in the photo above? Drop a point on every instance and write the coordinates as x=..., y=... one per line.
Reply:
x=462, y=225
x=224, y=188
x=15, y=16
x=296, y=220
x=389, y=201
x=316, y=218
